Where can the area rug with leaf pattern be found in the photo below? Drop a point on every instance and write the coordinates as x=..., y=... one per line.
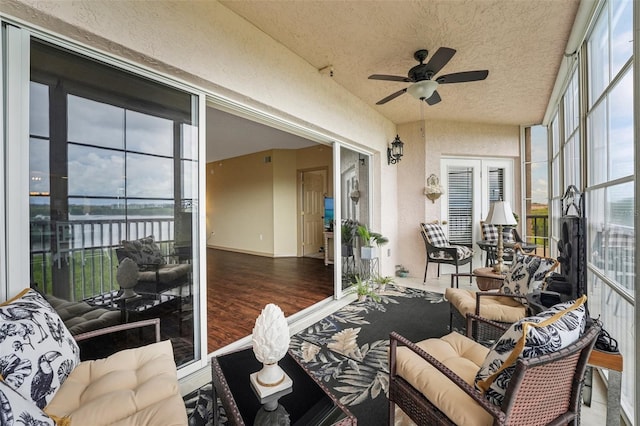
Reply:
x=347, y=350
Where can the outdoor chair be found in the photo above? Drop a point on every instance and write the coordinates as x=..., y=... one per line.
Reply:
x=440, y=251
x=508, y=304
x=157, y=272
x=444, y=381
x=510, y=236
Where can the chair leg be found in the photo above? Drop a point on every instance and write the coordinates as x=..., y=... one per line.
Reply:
x=438, y=270
x=424, y=280
x=392, y=413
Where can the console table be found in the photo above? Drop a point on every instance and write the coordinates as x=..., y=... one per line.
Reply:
x=309, y=403
x=328, y=236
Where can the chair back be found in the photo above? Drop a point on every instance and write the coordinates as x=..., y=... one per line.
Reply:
x=434, y=234
x=547, y=389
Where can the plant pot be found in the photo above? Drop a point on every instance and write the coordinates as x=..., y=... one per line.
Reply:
x=367, y=252
x=382, y=287
x=362, y=297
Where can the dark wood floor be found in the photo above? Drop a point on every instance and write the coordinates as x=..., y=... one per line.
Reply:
x=240, y=285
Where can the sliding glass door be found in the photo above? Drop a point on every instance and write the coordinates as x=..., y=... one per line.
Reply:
x=113, y=168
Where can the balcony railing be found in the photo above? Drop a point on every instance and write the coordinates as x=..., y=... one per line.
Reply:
x=85, y=251
x=537, y=232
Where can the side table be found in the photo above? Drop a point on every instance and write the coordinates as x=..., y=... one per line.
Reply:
x=487, y=279
x=309, y=403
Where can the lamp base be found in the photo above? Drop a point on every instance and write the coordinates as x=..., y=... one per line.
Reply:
x=264, y=391
x=500, y=268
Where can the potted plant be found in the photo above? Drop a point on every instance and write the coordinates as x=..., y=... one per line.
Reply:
x=362, y=289
x=401, y=271
x=382, y=281
x=348, y=232
x=369, y=238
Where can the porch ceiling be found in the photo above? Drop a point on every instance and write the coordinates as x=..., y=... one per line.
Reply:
x=520, y=42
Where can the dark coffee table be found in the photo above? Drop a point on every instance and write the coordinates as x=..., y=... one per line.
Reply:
x=142, y=306
x=310, y=403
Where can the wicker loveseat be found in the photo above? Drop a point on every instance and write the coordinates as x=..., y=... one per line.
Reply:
x=43, y=381
x=433, y=382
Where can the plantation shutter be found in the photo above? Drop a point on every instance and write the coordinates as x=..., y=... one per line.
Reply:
x=496, y=184
x=460, y=205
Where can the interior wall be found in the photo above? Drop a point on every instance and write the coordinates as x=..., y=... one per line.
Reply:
x=241, y=204
x=422, y=154
x=252, y=204
x=285, y=234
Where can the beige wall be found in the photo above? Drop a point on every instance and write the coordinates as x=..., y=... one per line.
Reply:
x=240, y=196
x=423, y=151
x=252, y=205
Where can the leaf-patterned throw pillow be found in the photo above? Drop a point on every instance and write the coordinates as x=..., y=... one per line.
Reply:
x=37, y=352
x=527, y=273
x=547, y=332
x=144, y=251
x=16, y=410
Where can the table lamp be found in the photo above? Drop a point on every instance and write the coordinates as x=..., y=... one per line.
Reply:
x=500, y=214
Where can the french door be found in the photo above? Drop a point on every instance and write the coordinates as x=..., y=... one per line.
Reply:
x=471, y=185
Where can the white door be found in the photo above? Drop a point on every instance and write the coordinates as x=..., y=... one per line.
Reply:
x=471, y=185
x=314, y=187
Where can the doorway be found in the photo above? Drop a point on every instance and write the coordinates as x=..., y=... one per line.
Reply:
x=471, y=185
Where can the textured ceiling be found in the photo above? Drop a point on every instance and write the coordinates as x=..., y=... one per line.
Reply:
x=520, y=42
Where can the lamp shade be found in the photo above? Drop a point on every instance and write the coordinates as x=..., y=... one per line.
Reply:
x=423, y=89
x=500, y=213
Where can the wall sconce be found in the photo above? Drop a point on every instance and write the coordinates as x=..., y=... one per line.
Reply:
x=394, y=154
x=434, y=190
x=355, y=192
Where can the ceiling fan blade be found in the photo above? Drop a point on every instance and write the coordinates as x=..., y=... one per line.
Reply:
x=439, y=59
x=391, y=96
x=462, y=77
x=433, y=99
x=390, y=78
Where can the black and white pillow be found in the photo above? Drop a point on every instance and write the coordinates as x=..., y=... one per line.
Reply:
x=17, y=410
x=527, y=273
x=144, y=251
x=38, y=352
x=547, y=332
x=489, y=232
x=435, y=235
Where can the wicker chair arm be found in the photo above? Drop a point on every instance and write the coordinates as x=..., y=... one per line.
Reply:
x=473, y=317
x=120, y=327
x=480, y=294
x=492, y=409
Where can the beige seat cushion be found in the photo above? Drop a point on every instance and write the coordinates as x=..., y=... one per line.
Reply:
x=496, y=308
x=131, y=387
x=464, y=357
x=80, y=317
x=166, y=274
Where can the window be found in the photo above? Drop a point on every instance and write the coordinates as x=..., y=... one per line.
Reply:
x=610, y=180
x=536, y=168
x=113, y=157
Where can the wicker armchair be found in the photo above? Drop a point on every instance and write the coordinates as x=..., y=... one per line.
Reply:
x=509, y=303
x=544, y=390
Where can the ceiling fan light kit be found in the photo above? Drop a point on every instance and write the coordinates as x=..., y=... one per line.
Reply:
x=423, y=89
x=424, y=85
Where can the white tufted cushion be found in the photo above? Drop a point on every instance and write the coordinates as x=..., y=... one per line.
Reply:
x=460, y=354
x=131, y=387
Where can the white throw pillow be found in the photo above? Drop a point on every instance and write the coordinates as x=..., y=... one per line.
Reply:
x=37, y=352
x=547, y=332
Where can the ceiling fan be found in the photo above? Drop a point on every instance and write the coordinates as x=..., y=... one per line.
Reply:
x=424, y=87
